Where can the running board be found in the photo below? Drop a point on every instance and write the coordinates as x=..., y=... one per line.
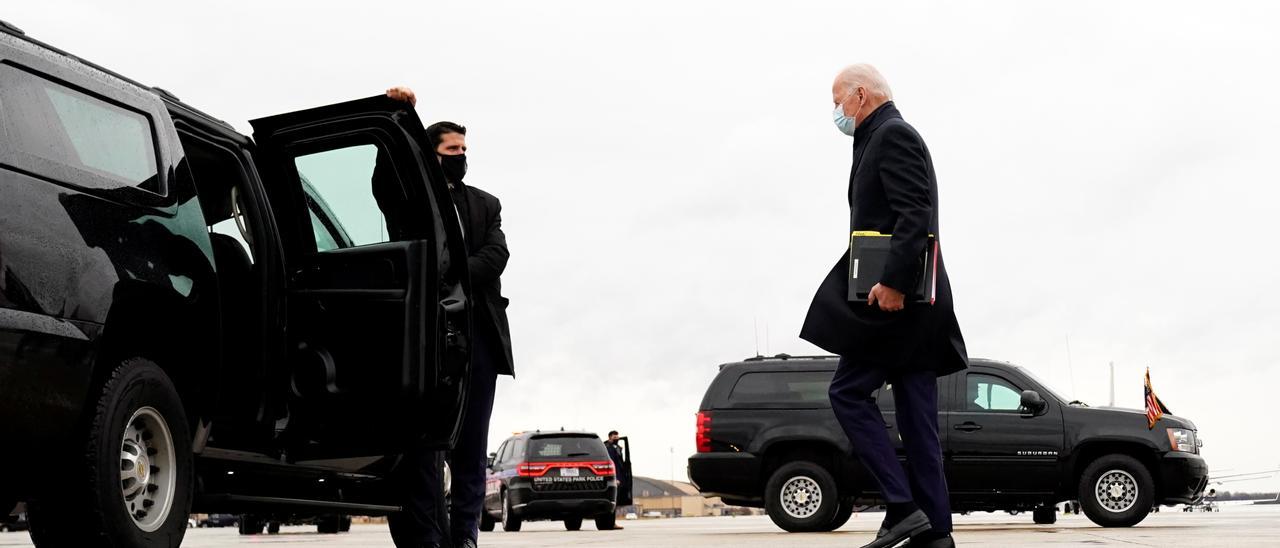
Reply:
x=234, y=504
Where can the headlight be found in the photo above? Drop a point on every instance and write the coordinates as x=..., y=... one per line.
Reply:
x=1182, y=440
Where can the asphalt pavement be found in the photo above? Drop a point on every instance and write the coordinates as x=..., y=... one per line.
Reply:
x=1234, y=526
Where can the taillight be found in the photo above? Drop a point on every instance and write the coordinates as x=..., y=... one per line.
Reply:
x=532, y=469
x=703, y=438
x=539, y=469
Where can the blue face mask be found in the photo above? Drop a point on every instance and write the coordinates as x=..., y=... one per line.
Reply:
x=845, y=124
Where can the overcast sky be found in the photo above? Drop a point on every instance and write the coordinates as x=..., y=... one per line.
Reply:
x=671, y=178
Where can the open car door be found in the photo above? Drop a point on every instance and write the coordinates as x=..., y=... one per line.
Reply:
x=376, y=311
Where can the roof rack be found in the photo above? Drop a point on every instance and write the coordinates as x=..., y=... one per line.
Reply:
x=785, y=357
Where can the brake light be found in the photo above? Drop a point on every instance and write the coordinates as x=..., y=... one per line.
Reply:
x=539, y=469
x=703, y=438
x=532, y=468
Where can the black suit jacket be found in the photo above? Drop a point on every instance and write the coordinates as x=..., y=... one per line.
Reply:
x=486, y=259
x=892, y=190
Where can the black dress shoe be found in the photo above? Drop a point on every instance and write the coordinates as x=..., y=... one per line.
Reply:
x=943, y=542
x=910, y=526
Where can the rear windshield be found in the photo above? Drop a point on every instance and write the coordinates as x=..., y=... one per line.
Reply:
x=782, y=387
x=566, y=447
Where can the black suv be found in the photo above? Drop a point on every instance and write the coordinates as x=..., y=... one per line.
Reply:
x=766, y=437
x=550, y=476
x=191, y=319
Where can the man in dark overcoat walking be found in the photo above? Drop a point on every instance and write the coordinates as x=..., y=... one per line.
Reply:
x=889, y=337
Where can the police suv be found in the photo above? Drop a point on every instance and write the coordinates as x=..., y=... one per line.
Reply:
x=560, y=475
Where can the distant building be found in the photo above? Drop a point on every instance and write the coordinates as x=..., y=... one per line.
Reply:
x=675, y=499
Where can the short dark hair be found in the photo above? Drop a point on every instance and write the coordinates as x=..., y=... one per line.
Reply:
x=613, y=432
x=438, y=129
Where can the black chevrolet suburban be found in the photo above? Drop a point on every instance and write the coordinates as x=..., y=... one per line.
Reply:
x=195, y=320
x=561, y=475
x=766, y=437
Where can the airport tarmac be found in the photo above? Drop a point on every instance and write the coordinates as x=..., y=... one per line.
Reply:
x=1234, y=526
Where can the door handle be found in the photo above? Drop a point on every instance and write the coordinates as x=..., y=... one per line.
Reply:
x=968, y=426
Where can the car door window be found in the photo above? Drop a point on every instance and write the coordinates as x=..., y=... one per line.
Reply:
x=884, y=396
x=341, y=194
x=518, y=452
x=988, y=393
x=497, y=455
x=505, y=457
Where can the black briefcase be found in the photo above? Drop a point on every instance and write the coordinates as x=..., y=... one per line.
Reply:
x=868, y=252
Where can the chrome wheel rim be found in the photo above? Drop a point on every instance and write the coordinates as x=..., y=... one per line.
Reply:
x=801, y=497
x=148, y=469
x=1116, y=491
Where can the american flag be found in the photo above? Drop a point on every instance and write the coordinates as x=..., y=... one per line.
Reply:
x=1155, y=407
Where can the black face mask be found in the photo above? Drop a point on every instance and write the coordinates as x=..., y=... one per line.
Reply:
x=455, y=167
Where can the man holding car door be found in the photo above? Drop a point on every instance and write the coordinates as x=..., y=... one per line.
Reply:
x=889, y=336
x=420, y=524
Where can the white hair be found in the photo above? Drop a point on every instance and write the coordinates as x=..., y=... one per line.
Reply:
x=867, y=77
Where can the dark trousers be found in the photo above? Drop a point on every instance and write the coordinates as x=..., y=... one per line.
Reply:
x=915, y=396
x=424, y=519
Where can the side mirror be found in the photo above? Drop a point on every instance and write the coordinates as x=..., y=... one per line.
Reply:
x=489, y=461
x=1032, y=402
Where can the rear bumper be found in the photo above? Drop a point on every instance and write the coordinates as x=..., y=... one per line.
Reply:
x=1183, y=477
x=726, y=475
x=528, y=504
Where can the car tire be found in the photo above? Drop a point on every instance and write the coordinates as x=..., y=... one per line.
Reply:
x=487, y=522
x=842, y=514
x=607, y=522
x=510, y=522
x=273, y=528
x=329, y=524
x=1116, y=491
x=801, y=497
x=250, y=525
x=573, y=524
x=1045, y=514
x=135, y=416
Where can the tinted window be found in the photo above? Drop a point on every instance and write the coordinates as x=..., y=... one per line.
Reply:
x=566, y=448
x=52, y=128
x=990, y=393
x=340, y=183
x=782, y=387
x=884, y=396
x=502, y=452
x=518, y=451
